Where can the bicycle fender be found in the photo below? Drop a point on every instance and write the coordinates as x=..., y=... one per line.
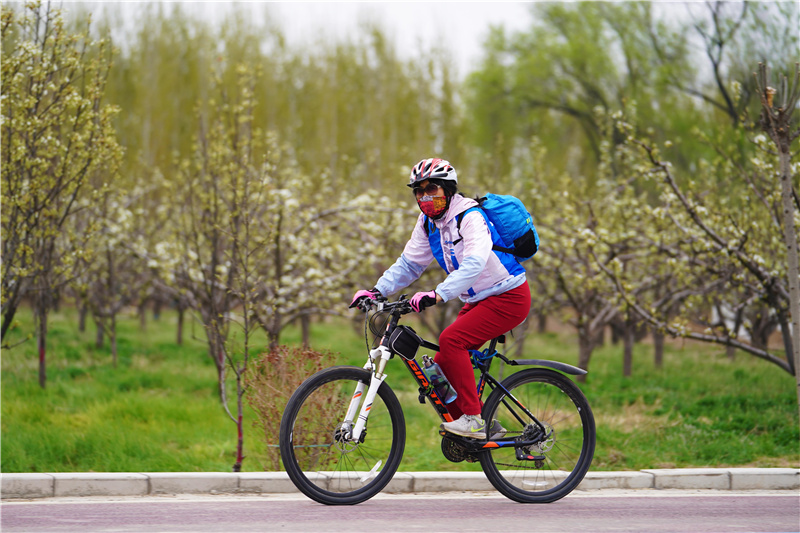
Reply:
x=555, y=365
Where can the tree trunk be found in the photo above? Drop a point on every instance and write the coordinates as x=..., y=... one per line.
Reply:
x=730, y=352
x=793, y=270
x=585, y=348
x=181, y=312
x=237, y=466
x=541, y=325
x=305, y=326
x=98, y=339
x=41, y=330
x=658, y=349
x=112, y=337
x=521, y=333
x=777, y=122
x=8, y=318
x=614, y=333
x=274, y=339
x=143, y=316
x=84, y=310
x=627, y=350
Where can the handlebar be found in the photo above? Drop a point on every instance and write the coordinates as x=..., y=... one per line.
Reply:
x=400, y=307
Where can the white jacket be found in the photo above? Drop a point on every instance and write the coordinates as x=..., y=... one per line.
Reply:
x=475, y=271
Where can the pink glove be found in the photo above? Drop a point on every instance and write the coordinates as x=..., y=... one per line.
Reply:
x=362, y=295
x=423, y=300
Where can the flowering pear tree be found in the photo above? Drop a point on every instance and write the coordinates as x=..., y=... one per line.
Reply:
x=565, y=272
x=115, y=270
x=324, y=241
x=776, y=121
x=217, y=231
x=731, y=250
x=56, y=132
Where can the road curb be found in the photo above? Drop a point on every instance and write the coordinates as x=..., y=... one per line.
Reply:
x=30, y=486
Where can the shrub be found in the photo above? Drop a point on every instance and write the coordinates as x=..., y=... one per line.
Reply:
x=271, y=380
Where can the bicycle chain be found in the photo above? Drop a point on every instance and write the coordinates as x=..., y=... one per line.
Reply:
x=519, y=466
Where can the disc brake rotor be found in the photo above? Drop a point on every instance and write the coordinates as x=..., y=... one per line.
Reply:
x=342, y=443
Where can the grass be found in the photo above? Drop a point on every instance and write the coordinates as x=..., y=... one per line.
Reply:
x=159, y=409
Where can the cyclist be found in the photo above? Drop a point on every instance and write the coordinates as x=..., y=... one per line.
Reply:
x=491, y=284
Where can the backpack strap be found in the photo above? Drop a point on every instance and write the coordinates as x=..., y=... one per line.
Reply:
x=460, y=217
x=432, y=233
x=429, y=227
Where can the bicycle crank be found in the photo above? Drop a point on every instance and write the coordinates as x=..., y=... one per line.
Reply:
x=455, y=452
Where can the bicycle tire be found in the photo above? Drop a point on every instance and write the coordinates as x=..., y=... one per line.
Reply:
x=563, y=458
x=330, y=470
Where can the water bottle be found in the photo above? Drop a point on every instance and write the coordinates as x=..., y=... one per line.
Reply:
x=443, y=389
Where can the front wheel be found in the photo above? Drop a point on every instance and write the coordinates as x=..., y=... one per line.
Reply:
x=553, y=456
x=321, y=461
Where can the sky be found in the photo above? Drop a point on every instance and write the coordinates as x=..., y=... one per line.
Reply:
x=460, y=26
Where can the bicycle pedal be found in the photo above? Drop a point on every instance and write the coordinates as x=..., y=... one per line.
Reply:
x=522, y=455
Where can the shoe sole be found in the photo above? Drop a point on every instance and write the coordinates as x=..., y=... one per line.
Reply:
x=479, y=435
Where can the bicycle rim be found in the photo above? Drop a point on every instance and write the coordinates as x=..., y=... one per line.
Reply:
x=319, y=462
x=562, y=454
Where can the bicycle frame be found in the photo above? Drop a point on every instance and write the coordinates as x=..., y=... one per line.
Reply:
x=376, y=364
x=349, y=451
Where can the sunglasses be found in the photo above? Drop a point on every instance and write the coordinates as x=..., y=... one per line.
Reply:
x=429, y=190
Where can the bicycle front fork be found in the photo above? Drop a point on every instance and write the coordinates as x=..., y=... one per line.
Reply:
x=379, y=356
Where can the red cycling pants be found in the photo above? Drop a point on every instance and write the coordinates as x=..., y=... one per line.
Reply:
x=476, y=324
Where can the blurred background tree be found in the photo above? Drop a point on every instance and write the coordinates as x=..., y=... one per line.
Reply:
x=56, y=132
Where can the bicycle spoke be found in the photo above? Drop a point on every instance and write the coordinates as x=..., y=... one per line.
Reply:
x=322, y=461
x=561, y=454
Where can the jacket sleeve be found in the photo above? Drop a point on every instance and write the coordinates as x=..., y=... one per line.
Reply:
x=477, y=245
x=410, y=265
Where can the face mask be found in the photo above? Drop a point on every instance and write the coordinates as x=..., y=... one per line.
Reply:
x=433, y=206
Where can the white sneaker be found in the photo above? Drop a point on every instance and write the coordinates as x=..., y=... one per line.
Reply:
x=470, y=426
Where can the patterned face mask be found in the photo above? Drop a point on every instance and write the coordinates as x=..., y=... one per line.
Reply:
x=433, y=206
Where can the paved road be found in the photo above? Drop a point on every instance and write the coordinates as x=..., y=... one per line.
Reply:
x=639, y=511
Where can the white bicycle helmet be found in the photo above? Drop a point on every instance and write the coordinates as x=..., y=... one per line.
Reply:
x=432, y=168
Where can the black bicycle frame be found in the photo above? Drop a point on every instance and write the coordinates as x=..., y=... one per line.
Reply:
x=426, y=390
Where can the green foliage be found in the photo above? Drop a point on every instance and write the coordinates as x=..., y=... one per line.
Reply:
x=353, y=110
x=681, y=73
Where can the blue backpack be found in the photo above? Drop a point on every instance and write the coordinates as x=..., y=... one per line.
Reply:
x=513, y=223
x=509, y=221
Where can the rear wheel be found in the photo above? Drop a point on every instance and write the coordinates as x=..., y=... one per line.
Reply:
x=320, y=460
x=562, y=448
